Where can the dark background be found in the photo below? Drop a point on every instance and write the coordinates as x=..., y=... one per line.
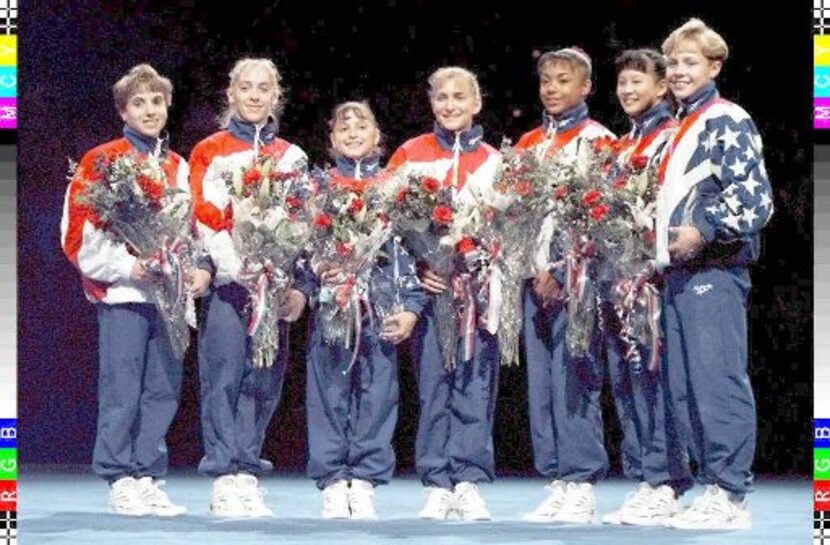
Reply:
x=383, y=51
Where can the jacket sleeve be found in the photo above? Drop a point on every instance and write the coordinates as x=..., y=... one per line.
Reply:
x=735, y=202
x=96, y=254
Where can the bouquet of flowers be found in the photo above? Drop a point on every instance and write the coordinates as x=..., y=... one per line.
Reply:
x=349, y=231
x=427, y=219
x=588, y=215
x=635, y=297
x=271, y=228
x=514, y=208
x=130, y=197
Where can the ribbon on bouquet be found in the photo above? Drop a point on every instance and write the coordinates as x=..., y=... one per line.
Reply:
x=479, y=273
x=171, y=298
x=353, y=295
x=167, y=262
x=489, y=291
x=259, y=298
x=263, y=326
x=577, y=260
x=640, y=291
x=462, y=288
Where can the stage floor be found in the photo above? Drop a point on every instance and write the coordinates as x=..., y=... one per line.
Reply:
x=69, y=506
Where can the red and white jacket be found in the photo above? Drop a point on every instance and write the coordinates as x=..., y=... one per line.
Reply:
x=461, y=160
x=650, y=132
x=559, y=135
x=105, y=262
x=227, y=151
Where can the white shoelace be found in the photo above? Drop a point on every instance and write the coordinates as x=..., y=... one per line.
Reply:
x=638, y=499
x=441, y=497
x=555, y=499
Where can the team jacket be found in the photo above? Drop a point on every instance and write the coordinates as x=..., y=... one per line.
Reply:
x=105, y=262
x=714, y=178
x=461, y=160
x=357, y=176
x=225, y=151
x=559, y=135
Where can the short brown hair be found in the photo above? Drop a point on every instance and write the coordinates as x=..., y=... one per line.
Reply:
x=139, y=78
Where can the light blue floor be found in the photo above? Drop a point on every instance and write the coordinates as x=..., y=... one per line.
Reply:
x=70, y=507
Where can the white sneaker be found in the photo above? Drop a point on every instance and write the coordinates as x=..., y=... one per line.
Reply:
x=336, y=500
x=125, y=498
x=713, y=511
x=361, y=500
x=440, y=503
x=661, y=505
x=546, y=510
x=157, y=500
x=580, y=506
x=636, y=501
x=224, y=498
x=469, y=502
x=252, y=496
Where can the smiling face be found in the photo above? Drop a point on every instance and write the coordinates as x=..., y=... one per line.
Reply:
x=562, y=86
x=146, y=112
x=688, y=70
x=639, y=91
x=254, y=94
x=354, y=136
x=455, y=104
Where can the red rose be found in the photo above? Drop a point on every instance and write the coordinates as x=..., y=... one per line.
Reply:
x=465, y=245
x=606, y=143
x=639, y=162
x=650, y=237
x=442, y=215
x=620, y=183
x=560, y=192
x=522, y=169
x=322, y=221
x=252, y=177
x=599, y=212
x=278, y=176
x=401, y=196
x=343, y=249
x=430, y=185
x=524, y=188
x=293, y=202
x=152, y=189
x=356, y=206
x=592, y=197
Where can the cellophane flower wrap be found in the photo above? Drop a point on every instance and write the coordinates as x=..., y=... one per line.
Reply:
x=271, y=230
x=131, y=198
x=349, y=230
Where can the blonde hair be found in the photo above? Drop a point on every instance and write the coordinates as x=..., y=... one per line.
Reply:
x=712, y=44
x=140, y=77
x=360, y=109
x=440, y=76
x=234, y=75
x=575, y=57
